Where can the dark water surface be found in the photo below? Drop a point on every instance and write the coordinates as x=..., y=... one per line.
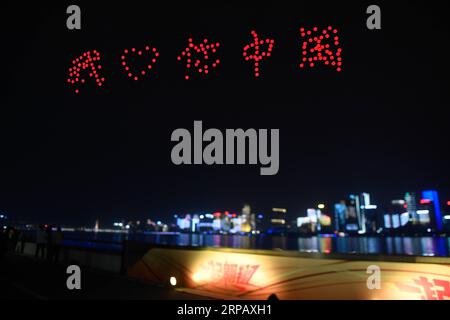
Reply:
x=411, y=246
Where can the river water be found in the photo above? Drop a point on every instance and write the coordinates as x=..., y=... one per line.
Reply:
x=411, y=246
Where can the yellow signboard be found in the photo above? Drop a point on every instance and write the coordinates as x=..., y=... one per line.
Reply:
x=240, y=274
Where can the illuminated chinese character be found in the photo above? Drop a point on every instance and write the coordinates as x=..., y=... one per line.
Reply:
x=429, y=293
x=147, y=53
x=199, y=57
x=442, y=294
x=229, y=273
x=87, y=63
x=246, y=273
x=258, y=52
x=321, y=47
x=428, y=290
x=216, y=271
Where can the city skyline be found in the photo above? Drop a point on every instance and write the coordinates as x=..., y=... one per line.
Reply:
x=424, y=211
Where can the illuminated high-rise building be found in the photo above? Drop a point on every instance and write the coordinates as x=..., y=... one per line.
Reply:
x=356, y=214
x=194, y=223
x=446, y=217
x=370, y=220
x=396, y=217
x=411, y=207
x=277, y=220
x=430, y=198
x=340, y=216
x=245, y=219
x=424, y=211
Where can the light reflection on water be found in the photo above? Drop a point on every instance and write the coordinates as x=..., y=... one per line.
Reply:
x=418, y=246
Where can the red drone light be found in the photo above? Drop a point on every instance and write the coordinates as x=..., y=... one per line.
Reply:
x=321, y=47
x=199, y=57
x=258, y=54
x=147, y=51
x=88, y=60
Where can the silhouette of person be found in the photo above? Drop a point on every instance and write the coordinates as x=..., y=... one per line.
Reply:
x=273, y=297
x=20, y=242
x=3, y=243
x=40, y=241
x=57, y=239
x=49, y=243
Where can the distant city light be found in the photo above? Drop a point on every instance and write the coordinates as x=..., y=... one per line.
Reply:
x=369, y=207
x=280, y=221
x=348, y=217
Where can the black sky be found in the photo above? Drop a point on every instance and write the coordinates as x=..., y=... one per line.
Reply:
x=380, y=126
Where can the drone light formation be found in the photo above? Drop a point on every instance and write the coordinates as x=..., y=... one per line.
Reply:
x=321, y=47
x=152, y=54
x=258, y=53
x=86, y=63
x=199, y=57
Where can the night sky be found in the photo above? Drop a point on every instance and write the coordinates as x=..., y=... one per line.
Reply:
x=380, y=126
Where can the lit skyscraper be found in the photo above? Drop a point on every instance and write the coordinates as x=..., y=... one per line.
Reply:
x=436, y=217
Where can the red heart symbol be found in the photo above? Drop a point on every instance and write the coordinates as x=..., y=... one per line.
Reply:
x=152, y=54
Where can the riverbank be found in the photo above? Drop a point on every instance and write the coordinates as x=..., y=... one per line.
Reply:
x=25, y=277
